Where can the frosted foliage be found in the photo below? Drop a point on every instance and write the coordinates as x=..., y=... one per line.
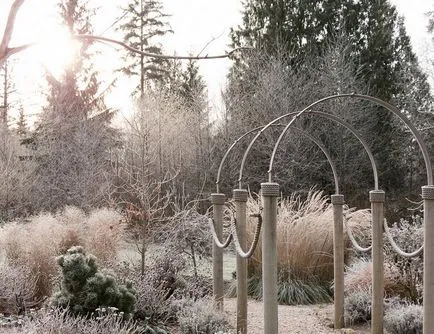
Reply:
x=36, y=243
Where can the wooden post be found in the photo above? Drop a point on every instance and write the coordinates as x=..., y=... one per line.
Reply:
x=377, y=198
x=240, y=198
x=338, y=260
x=218, y=201
x=428, y=259
x=270, y=192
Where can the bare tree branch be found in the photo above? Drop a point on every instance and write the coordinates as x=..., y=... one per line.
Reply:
x=7, y=35
x=20, y=48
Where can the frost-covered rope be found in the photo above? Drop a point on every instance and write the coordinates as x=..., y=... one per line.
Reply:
x=396, y=248
x=240, y=251
x=214, y=234
x=353, y=240
x=216, y=238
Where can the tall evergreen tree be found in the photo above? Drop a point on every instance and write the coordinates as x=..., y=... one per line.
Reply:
x=192, y=90
x=380, y=52
x=73, y=137
x=143, y=22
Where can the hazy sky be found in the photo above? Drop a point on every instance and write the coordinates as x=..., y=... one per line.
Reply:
x=195, y=23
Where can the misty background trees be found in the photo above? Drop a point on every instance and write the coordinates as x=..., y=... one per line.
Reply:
x=168, y=149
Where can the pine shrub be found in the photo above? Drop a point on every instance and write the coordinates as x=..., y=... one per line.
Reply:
x=84, y=288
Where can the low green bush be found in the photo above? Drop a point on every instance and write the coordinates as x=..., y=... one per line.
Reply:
x=84, y=288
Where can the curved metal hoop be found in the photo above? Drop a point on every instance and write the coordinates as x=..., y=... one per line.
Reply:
x=316, y=141
x=396, y=248
x=297, y=114
x=380, y=102
x=327, y=154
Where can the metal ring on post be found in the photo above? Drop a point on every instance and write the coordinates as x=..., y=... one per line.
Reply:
x=328, y=157
x=317, y=142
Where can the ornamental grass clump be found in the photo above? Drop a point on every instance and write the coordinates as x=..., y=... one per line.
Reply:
x=36, y=243
x=84, y=288
x=304, y=247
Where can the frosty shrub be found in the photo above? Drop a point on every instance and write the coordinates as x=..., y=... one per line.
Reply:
x=84, y=288
x=53, y=321
x=358, y=306
x=201, y=318
x=404, y=319
x=17, y=286
x=358, y=276
x=157, y=288
x=408, y=234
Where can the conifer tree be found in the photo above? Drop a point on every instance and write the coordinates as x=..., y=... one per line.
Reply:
x=144, y=22
x=74, y=136
x=380, y=54
x=192, y=90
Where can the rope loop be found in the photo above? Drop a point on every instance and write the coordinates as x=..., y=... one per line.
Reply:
x=353, y=240
x=217, y=241
x=240, y=251
x=396, y=248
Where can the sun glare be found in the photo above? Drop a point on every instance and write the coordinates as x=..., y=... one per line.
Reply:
x=57, y=51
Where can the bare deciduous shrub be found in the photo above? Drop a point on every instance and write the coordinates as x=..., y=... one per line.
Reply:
x=17, y=286
x=358, y=306
x=188, y=233
x=104, y=234
x=404, y=319
x=156, y=290
x=408, y=234
x=358, y=276
x=201, y=318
